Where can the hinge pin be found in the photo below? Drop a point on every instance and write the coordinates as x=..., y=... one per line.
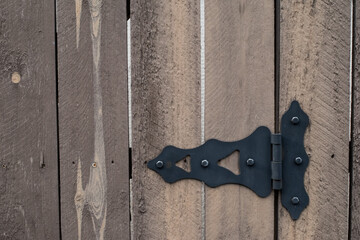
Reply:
x=276, y=163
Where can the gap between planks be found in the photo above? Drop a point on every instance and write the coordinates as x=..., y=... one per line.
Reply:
x=351, y=63
x=57, y=115
x=128, y=43
x=351, y=114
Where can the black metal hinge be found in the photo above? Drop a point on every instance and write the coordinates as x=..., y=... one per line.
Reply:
x=267, y=161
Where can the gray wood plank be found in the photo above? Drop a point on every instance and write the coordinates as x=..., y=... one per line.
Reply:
x=355, y=207
x=239, y=88
x=315, y=70
x=28, y=135
x=94, y=167
x=165, y=111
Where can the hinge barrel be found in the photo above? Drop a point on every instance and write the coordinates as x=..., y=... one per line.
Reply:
x=276, y=163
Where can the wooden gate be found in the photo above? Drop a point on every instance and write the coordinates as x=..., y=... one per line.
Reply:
x=88, y=97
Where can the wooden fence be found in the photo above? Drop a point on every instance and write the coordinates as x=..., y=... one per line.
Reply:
x=72, y=168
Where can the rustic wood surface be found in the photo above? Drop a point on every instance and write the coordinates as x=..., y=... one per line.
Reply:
x=315, y=70
x=89, y=56
x=28, y=136
x=239, y=88
x=355, y=208
x=94, y=164
x=165, y=111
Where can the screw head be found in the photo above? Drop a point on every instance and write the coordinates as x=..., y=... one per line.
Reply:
x=298, y=160
x=250, y=162
x=159, y=164
x=295, y=120
x=295, y=200
x=204, y=163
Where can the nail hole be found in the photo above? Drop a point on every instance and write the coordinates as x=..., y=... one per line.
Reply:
x=332, y=155
x=112, y=161
x=73, y=162
x=93, y=164
x=145, y=162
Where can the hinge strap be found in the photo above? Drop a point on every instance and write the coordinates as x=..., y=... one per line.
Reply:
x=276, y=163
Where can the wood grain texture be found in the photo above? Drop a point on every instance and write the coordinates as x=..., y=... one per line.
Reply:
x=355, y=208
x=165, y=111
x=93, y=119
x=315, y=54
x=28, y=136
x=239, y=88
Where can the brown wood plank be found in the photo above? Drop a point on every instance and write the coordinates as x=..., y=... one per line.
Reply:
x=165, y=111
x=315, y=54
x=28, y=135
x=355, y=206
x=93, y=119
x=239, y=88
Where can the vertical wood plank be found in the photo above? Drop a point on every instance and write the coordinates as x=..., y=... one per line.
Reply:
x=315, y=54
x=165, y=111
x=239, y=88
x=355, y=208
x=28, y=135
x=93, y=119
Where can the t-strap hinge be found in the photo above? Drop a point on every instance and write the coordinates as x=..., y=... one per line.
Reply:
x=266, y=161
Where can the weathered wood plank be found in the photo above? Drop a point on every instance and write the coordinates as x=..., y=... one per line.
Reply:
x=239, y=88
x=315, y=48
x=28, y=189
x=165, y=111
x=93, y=119
x=355, y=208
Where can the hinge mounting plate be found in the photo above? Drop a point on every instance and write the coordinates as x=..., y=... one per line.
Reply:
x=267, y=161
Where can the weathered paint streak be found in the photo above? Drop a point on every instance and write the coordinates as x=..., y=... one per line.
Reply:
x=78, y=7
x=94, y=195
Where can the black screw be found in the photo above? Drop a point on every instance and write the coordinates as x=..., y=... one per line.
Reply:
x=250, y=162
x=204, y=163
x=159, y=164
x=298, y=160
x=295, y=200
x=295, y=120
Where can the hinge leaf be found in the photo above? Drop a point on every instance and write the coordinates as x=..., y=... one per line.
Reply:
x=295, y=160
